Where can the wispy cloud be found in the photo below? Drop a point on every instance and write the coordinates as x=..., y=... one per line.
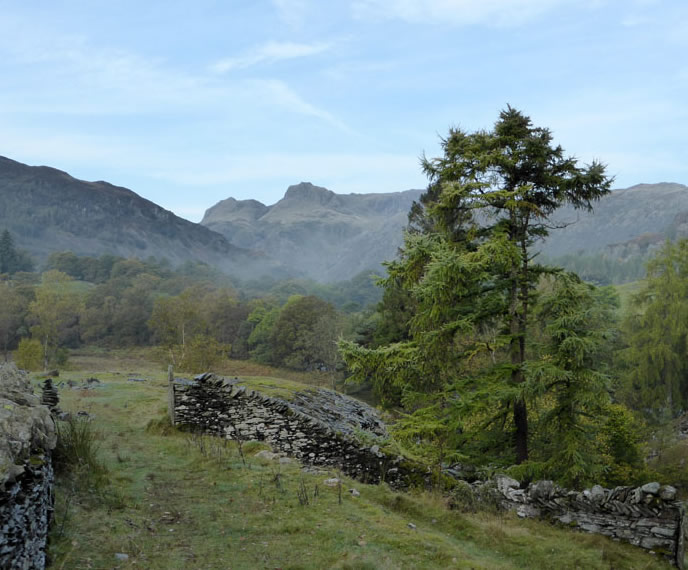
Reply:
x=276, y=92
x=270, y=52
x=292, y=12
x=88, y=80
x=458, y=12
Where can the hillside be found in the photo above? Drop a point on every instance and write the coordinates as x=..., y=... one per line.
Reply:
x=331, y=236
x=311, y=232
x=48, y=210
x=327, y=236
x=627, y=221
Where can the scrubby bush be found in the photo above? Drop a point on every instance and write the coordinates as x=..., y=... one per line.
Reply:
x=29, y=354
x=77, y=449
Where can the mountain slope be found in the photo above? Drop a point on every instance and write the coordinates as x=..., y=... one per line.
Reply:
x=627, y=220
x=48, y=211
x=327, y=236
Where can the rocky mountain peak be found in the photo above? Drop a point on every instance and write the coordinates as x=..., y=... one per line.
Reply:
x=307, y=192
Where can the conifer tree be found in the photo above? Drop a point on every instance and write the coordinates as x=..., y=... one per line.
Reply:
x=8, y=253
x=656, y=329
x=468, y=261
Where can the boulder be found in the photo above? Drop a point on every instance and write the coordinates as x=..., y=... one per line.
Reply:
x=26, y=425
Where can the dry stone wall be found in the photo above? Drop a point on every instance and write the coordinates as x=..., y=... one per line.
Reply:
x=27, y=437
x=321, y=427
x=302, y=429
x=647, y=516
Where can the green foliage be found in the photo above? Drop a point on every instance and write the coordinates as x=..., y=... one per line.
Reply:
x=29, y=354
x=481, y=498
x=77, y=448
x=304, y=334
x=396, y=311
x=263, y=318
x=656, y=330
x=463, y=293
x=84, y=268
x=55, y=312
x=13, y=309
x=432, y=432
x=176, y=319
x=577, y=326
x=202, y=353
x=620, y=438
x=12, y=260
x=349, y=296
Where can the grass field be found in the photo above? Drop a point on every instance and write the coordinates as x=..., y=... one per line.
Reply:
x=172, y=500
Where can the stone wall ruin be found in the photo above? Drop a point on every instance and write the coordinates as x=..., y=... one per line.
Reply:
x=649, y=516
x=318, y=427
x=322, y=427
x=27, y=438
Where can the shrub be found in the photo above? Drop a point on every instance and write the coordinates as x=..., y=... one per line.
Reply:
x=77, y=450
x=29, y=354
x=468, y=498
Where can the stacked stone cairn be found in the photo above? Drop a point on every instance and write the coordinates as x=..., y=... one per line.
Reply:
x=49, y=395
x=649, y=516
x=26, y=473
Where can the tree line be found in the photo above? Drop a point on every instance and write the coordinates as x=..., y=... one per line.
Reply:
x=194, y=313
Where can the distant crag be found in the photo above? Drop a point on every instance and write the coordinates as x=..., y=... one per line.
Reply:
x=316, y=232
x=329, y=236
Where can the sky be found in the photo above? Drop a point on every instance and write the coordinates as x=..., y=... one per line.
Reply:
x=188, y=103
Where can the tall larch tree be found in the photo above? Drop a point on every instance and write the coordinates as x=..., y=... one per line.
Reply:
x=469, y=263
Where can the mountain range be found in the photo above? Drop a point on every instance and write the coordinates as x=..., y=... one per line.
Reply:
x=311, y=232
x=327, y=236
x=47, y=210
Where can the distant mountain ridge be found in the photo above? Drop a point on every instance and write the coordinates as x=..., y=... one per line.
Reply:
x=311, y=232
x=626, y=221
x=49, y=210
x=327, y=236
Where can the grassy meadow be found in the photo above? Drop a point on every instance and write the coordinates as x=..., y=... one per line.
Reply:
x=173, y=500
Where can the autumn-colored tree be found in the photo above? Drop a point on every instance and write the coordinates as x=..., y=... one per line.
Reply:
x=56, y=309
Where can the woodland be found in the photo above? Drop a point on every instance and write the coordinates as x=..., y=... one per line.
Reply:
x=483, y=353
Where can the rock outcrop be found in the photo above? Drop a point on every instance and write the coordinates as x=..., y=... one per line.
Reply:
x=27, y=438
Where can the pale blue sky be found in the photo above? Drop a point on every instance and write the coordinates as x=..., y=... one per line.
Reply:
x=188, y=103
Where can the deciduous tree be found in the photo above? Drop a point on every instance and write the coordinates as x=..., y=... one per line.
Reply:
x=56, y=308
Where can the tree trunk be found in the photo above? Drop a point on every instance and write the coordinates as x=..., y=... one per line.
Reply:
x=521, y=435
x=517, y=331
x=520, y=408
x=45, y=354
